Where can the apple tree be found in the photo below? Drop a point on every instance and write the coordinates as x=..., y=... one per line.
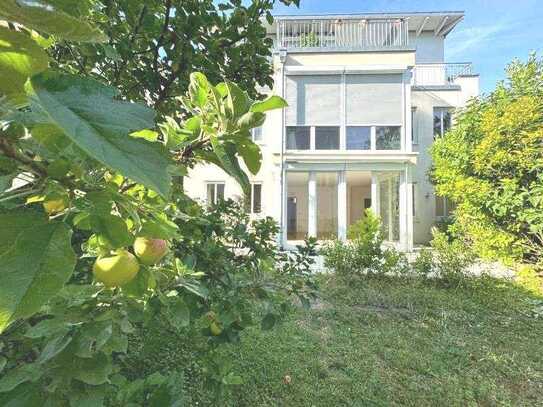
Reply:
x=94, y=241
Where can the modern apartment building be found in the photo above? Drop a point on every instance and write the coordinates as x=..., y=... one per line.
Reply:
x=368, y=94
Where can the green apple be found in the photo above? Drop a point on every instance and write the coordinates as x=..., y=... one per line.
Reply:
x=116, y=270
x=215, y=329
x=53, y=206
x=150, y=251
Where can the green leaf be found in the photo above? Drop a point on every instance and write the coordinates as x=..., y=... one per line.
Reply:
x=251, y=119
x=20, y=58
x=18, y=375
x=14, y=223
x=93, y=371
x=237, y=102
x=178, y=313
x=113, y=229
x=198, y=89
x=54, y=347
x=3, y=362
x=97, y=123
x=227, y=160
x=42, y=16
x=35, y=268
x=251, y=154
x=270, y=103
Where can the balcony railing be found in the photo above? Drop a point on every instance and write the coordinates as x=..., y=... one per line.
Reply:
x=440, y=74
x=349, y=34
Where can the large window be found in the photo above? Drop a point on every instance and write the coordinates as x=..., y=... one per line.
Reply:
x=256, y=198
x=442, y=121
x=358, y=138
x=298, y=137
x=388, y=138
x=327, y=138
x=389, y=211
x=215, y=192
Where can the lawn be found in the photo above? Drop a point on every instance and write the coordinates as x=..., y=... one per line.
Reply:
x=382, y=342
x=399, y=342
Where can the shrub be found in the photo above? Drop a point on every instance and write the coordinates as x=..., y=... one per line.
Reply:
x=364, y=254
x=489, y=164
x=447, y=260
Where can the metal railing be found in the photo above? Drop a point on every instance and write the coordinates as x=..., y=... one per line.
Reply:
x=348, y=34
x=440, y=74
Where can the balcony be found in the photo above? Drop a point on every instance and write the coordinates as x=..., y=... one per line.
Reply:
x=343, y=34
x=440, y=75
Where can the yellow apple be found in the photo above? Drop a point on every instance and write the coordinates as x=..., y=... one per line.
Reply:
x=116, y=270
x=53, y=206
x=215, y=329
x=150, y=251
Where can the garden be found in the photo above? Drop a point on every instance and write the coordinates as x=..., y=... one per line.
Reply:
x=116, y=289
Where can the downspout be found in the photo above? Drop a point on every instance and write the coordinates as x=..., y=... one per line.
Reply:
x=282, y=59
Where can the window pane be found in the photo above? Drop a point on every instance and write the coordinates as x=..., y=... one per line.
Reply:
x=446, y=120
x=358, y=196
x=220, y=192
x=440, y=206
x=388, y=138
x=358, y=138
x=437, y=122
x=327, y=138
x=326, y=205
x=389, y=211
x=257, y=198
x=297, y=205
x=210, y=194
x=298, y=137
x=414, y=137
x=257, y=134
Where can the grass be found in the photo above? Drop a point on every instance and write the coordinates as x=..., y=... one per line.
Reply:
x=398, y=342
x=379, y=342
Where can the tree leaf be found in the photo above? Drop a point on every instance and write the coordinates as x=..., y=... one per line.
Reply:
x=251, y=154
x=42, y=16
x=14, y=223
x=34, y=269
x=227, y=160
x=198, y=89
x=178, y=312
x=93, y=371
x=20, y=58
x=54, y=347
x=270, y=103
x=90, y=116
x=113, y=229
x=18, y=375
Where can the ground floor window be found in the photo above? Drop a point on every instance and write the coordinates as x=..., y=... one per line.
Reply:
x=444, y=207
x=256, y=198
x=215, y=192
x=325, y=203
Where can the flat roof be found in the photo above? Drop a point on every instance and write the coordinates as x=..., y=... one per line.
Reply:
x=440, y=22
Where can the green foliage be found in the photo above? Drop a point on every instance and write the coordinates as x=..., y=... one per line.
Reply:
x=153, y=46
x=489, y=164
x=308, y=40
x=82, y=175
x=365, y=253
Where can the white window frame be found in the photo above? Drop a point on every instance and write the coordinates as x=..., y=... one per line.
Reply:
x=446, y=209
x=253, y=196
x=215, y=184
x=441, y=110
x=254, y=132
x=343, y=137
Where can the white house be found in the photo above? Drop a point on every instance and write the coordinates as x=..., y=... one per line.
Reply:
x=367, y=94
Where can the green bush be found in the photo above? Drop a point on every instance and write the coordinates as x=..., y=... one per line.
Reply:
x=446, y=261
x=489, y=164
x=364, y=253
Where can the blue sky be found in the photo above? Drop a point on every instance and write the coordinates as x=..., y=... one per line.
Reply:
x=492, y=34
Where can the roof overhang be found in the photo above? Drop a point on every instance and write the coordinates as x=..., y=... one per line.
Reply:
x=440, y=23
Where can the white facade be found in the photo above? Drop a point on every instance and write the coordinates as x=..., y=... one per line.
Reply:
x=366, y=94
